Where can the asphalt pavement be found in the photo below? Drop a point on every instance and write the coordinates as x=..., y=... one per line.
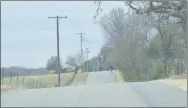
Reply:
x=101, y=90
x=100, y=78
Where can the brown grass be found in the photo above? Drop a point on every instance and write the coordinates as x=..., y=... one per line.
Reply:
x=176, y=81
x=39, y=81
x=5, y=88
x=80, y=78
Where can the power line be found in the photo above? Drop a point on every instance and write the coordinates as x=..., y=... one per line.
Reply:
x=58, y=57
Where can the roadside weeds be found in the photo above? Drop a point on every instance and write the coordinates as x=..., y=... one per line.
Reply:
x=80, y=79
x=118, y=76
x=176, y=81
x=179, y=83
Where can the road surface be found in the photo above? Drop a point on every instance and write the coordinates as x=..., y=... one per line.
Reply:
x=101, y=90
x=100, y=78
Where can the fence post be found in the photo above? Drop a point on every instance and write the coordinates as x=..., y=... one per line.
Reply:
x=10, y=77
x=40, y=85
x=28, y=82
x=2, y=77
x=17, y=78
x=33, y=84
x=36, y=83
x=23, y=79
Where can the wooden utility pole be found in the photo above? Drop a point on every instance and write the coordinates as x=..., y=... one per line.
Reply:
x=58, y=58
x=81, y=42
x=87, y=63
x=93, y=64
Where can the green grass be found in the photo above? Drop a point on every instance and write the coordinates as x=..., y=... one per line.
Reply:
x=119, y=76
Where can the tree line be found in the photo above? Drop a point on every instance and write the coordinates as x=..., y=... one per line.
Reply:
x=147, y=42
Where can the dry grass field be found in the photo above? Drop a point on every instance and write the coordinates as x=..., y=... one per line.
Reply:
x=27, y=82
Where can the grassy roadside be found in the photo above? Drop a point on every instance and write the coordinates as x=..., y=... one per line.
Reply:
x=80, y=79
x=176, y=81
x=40, y=81
x=179, y=82
x=118, y=76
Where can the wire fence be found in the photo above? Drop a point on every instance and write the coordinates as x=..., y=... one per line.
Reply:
x=21, y=81
x=29, y=82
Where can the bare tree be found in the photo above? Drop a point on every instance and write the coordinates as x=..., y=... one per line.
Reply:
x=113, y=25
x=73, y=61
x=127, y=38
x=52, y=64
x=171, y=8
x=168, y=32
x=132, y=37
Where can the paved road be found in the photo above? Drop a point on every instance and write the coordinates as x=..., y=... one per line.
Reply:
x=101, y=90
x=100, y=78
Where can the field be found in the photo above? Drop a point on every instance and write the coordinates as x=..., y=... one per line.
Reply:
x=40, y=81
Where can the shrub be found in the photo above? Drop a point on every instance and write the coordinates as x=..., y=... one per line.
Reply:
x=129, y=76
x=156, y=71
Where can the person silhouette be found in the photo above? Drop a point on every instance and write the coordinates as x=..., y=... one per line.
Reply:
x=111, y=68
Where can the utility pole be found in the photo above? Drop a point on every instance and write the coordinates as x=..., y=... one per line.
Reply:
x=87, y=63
x=81, y=42
x=58, y=58
x=93, y=64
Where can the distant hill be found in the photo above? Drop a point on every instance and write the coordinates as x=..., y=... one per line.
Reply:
x=23, y=71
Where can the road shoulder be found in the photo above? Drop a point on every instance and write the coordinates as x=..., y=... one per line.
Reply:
x=179, y=83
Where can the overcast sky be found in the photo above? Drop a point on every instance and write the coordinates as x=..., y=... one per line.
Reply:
x=29, y=37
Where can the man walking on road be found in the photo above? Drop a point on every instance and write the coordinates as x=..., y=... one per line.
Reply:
x=111, y=69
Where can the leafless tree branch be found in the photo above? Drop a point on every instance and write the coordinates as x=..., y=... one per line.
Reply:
x=167, y=7
x=98, y=9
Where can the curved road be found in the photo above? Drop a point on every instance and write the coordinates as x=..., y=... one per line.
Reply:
x=101, y=90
